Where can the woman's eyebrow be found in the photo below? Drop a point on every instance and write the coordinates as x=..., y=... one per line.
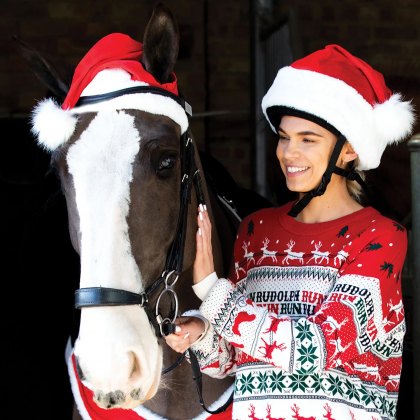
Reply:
x=302, y=133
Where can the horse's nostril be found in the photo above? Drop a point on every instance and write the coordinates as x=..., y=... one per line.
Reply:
x=136, y=394
x=109, y=400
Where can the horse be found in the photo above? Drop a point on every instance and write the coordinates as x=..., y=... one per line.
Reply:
x=128, y=168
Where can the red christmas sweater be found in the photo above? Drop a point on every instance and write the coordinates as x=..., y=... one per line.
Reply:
x=311, y=318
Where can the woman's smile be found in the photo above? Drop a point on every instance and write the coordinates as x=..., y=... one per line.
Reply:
x=293, y=171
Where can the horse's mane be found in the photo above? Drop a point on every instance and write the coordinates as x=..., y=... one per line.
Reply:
x=243, y=200
x=230, y=203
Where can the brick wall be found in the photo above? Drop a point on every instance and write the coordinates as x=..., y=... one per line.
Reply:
x=214, y=69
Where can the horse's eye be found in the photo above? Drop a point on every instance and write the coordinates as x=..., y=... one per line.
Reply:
x=166, y=163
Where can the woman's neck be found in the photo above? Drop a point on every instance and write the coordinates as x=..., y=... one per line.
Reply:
x=333, y=204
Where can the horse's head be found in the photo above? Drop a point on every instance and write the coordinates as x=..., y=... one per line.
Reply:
x=116, y=143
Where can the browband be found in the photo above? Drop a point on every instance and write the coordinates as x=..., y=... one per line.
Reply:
x=93, y=99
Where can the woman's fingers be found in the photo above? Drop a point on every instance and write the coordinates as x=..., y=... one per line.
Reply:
x=179, y=340
x=187, y=331
x=203, y=264
x=204, y=223
x=178, y=343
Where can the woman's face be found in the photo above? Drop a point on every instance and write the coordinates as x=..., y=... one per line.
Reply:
x=303, y=150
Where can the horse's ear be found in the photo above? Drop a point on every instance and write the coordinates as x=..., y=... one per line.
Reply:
x=42, y=69
x=161, y=43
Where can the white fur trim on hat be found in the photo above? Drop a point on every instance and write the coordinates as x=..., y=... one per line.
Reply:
x=54, y=126
x=369, y=130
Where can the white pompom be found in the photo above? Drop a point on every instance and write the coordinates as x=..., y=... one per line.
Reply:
x=394, y=119
x=52, y=125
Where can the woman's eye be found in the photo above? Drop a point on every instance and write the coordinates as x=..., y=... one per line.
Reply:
x=283, y=138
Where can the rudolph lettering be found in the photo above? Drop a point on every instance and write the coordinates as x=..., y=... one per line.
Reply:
x=293, y=302
x=349, y=293
x=275, y=296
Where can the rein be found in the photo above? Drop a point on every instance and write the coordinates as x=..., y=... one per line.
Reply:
x=164, y=284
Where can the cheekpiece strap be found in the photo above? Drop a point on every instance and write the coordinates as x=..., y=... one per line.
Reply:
x=325, y=180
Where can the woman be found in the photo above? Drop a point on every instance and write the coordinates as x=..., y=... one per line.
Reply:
x=311, y=319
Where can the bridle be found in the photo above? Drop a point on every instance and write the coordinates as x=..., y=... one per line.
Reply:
x=164, y=284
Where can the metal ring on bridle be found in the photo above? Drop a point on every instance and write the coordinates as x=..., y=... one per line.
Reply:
x=168, y=275
x=163, y=321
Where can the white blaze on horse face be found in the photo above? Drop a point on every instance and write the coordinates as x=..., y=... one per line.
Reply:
x=101, y=165
x=117, y=348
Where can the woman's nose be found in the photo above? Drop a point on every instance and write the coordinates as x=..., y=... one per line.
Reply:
x=287, y=149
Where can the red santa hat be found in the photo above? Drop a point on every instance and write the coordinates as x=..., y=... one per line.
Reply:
x=340, y=91
x=112, y=64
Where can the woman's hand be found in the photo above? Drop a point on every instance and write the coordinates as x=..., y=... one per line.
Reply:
x=188, y=330
x=203, y=264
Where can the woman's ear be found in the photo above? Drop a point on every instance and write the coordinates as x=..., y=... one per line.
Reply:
x=348, y=154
